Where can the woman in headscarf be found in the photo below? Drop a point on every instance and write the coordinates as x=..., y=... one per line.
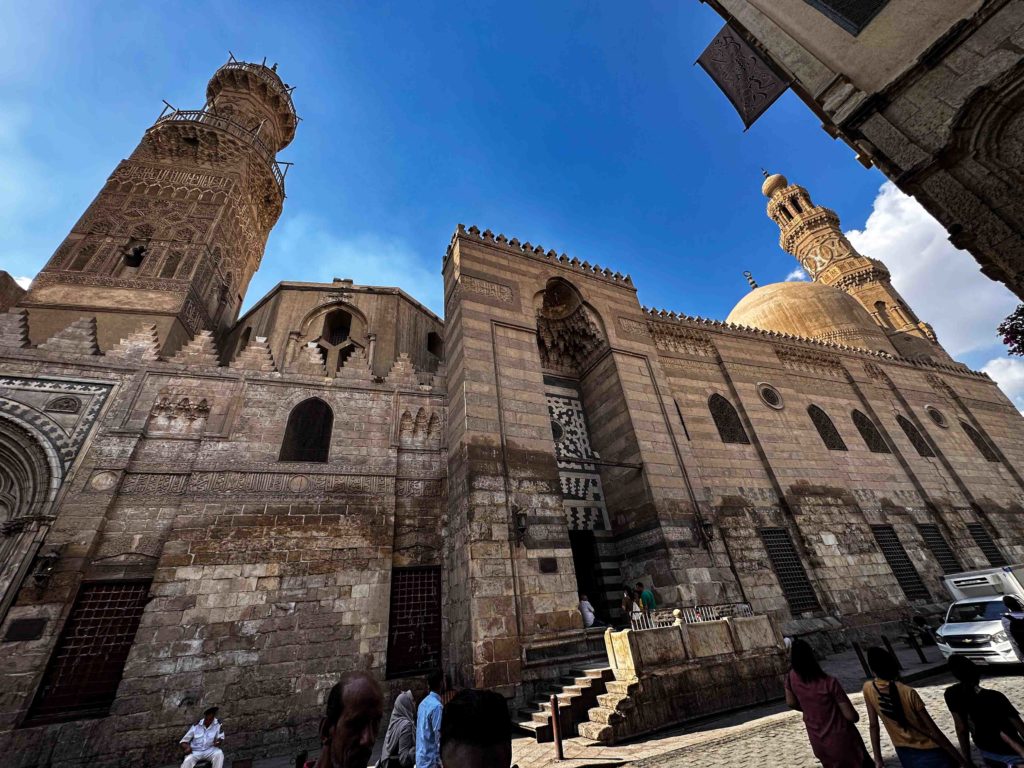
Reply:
x=399, y=750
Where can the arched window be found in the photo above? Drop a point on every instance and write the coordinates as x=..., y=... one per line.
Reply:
x=983, y=446
x=308, y=434
x=135, y=252
x=82, y=258
x=883, y=313
x=826, y=429
x=915, y=437
x=337, y=326
x=872, y=437
x=796, y=205
x=730, y=428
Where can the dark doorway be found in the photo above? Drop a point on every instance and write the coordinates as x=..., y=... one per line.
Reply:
x=585, y=562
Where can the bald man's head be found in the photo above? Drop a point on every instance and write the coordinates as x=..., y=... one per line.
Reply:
x=355, y=707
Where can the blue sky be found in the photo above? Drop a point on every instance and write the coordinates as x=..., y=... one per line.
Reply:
x=582, y=126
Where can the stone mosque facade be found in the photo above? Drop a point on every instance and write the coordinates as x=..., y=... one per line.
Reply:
x=199, y=508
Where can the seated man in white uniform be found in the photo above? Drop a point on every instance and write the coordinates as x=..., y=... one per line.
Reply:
x=203, y=740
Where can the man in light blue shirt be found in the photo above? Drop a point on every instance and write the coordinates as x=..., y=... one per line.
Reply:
x=428, y=725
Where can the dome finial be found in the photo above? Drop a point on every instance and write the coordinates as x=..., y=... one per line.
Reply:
x=773, y=182
x=751, y=280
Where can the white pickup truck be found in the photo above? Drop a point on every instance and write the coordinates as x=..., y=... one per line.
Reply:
x=973, y=625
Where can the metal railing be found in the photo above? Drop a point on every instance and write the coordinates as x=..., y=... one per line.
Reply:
x=690, y=615
x=264, y=73
x=228, y=125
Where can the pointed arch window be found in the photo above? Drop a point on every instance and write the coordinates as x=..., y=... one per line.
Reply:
x=826, y=429
x=308, y=434
x=869, y=432
x=983, y=446
x=730, y=428
x=915, y=437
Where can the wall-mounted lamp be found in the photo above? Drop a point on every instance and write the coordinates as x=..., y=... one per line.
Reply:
x=46, y=564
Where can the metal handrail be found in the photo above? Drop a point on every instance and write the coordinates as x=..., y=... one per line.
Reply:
x=689, y=615
x=261, y=71
x=229, y=126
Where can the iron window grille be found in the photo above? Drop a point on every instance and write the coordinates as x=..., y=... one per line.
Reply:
x=986, y=544
x=904, y=571
x=789, y=570
x=939, y=547
x=414, y=625
x=86, y=666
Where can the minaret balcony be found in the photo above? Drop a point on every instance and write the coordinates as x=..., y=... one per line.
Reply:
x=251, y=137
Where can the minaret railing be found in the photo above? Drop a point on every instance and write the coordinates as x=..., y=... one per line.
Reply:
x=228, y=125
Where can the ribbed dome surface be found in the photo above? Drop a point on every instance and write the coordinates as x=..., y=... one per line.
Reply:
x=811, y=310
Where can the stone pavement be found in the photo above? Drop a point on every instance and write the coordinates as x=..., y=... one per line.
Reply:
x=770, y=736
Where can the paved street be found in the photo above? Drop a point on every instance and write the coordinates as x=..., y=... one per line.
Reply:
x=770, y=736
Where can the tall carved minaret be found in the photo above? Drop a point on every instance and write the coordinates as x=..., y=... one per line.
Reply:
x=178, y=230
x=811, y=233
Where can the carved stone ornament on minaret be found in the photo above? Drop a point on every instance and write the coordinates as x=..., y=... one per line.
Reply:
x=813, y=235
x=176, y=233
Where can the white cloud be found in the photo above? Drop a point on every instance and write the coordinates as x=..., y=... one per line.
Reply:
x=307, y=249
x=942, y=284
x=1008, y=373
x=797, y=275
x=24, y=282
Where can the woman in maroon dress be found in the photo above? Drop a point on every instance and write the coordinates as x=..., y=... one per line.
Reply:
x=828, y=714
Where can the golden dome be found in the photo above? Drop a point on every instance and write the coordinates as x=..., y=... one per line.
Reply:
x=813, y=311
x=773, y=184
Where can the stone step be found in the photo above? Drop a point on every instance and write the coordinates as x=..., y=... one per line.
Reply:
x=601, y=732
x=621, y=687
x=605, y=715
x=614, y=701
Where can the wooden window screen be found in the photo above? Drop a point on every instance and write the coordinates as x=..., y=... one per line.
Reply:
x=851, y=15
x=85, y=668
x=904, y=570
x=980, y=442
x=826, y=429
x=785, y=561
x=915, y=437
x=730, y=428
x=869, y=432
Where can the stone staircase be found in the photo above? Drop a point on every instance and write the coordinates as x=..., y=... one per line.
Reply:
x=612, y=708
x=578, y=692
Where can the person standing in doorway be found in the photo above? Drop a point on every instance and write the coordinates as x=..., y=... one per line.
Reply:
x=631, y=609
x=828, y=714
x=428, y=724
x=918, y=741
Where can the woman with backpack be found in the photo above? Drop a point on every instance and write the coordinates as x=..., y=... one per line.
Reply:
x=918, y=741
x=828, y=714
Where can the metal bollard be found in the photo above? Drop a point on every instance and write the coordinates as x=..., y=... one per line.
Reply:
x=556, y=728
x=890, y=649
x=912, y=639
x=860, y=657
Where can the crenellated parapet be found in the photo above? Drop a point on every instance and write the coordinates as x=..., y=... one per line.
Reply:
x=515, y=247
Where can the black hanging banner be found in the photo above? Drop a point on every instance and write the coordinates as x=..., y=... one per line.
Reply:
x=742, y=74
